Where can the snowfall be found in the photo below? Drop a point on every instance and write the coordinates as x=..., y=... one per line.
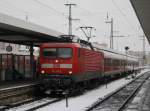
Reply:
x=81, y=102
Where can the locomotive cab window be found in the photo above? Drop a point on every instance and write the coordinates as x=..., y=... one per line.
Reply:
x=57, y=52
x=49, y=52
x=64, y=52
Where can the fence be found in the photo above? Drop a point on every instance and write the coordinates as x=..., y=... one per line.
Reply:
x=15, y=67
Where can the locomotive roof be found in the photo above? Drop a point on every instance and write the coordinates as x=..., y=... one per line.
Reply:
x=60, y=45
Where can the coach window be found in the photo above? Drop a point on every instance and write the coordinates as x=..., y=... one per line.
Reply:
x=109, y=61
x=116, y=62
x=106, y=61
x=122, y=63
x=65, y=52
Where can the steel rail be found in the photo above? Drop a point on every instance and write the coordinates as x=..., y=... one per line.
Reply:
x=131, y=96
x=43, y=105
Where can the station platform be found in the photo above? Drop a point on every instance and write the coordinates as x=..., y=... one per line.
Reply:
x=141, y=101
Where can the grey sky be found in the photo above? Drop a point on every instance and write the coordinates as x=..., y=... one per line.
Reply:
x=53, y=14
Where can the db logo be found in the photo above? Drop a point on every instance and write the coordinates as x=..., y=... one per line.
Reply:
x=56, y=65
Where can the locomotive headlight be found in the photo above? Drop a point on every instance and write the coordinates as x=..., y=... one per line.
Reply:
x=42, y=71
x=70, y=72
x=56, y=61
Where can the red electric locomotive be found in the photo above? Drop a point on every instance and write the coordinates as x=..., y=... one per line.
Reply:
x=62, y=65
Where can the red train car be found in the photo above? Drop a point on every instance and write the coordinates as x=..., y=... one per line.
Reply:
x=65, y=64
x=116, y=63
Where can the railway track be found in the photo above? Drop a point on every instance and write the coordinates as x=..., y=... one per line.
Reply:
x=34, y=105
x=120, y=98
x=16, y=95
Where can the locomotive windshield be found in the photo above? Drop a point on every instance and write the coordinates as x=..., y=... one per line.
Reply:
x=64, y=52
x=50, y=52
x=57, y=52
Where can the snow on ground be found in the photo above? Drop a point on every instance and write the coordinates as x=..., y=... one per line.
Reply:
x=80, y=103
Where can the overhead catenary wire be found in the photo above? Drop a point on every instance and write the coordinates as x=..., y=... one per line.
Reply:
x=51, y=8
x=127, y=20
x=14, y=7
x=18, y=9
x=85, y=10
x=42, y=4
x=26, y=13
x=123, y=14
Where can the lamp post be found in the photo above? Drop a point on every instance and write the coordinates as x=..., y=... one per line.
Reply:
x=126, y=49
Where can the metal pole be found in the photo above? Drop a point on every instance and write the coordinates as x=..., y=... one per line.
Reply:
x=126, y=48
x=106, y=82
x=27, y=18
x=112, y=33
x=31, y=60
x=66, y=96
x=143, y=50
x=13, y=67
x=70, y=18
x=70, y=21
x=126, y=61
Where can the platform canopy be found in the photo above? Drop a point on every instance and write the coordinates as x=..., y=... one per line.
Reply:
x=17, y=31
x=142, y=9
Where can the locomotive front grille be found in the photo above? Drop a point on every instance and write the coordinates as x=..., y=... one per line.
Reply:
x=56, y=79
